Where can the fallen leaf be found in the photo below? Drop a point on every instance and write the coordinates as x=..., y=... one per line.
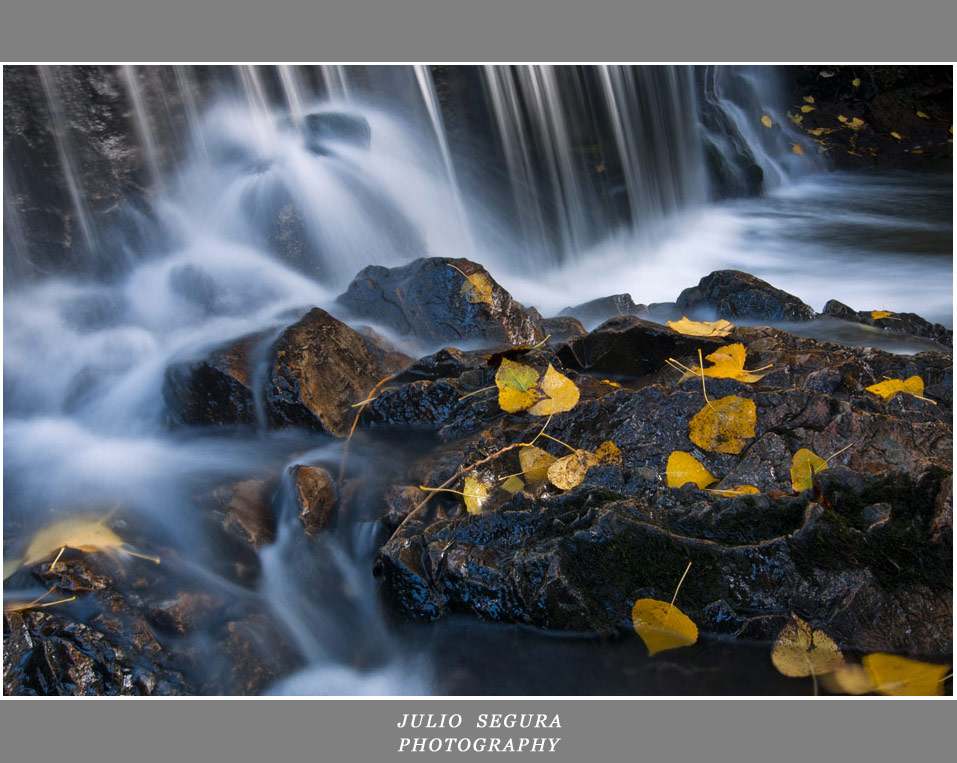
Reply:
x=535, y=462
x=856, y=82
x=878, y=314
x=476, y=493
x=516, y=384
x=728, y=364
x=512, y=353
x=683, y=467
x=803, y=651
x=818, y=131
x=922, y=115
x=736, y=491
x=841, y=118
x=608, y=453
x=795, y=118
x=477, y=288
x=725, y=425
x=569, y=471
x=766, y=121
x=688, y=327
x=798, y=150
x=82, y=533
x=809, y=99
x=807, y=109
x=513, y=484
x=890, y=387
x=896, y=135
x=560, y=393
x=903, y=677
x=855, y=124
x=849, y=678
x=804, y=466
x=662, y=626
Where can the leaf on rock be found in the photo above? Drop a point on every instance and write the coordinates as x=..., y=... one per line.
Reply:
x=683, y=467
x=736, y=491
x=476, y=493
x=477, y=288
x=513, y=484
x=890, y=387
x=922, y=115
x=725, y=425
x=801, y=651
x=797, y=150
x=560, y=392
x=856, y=82
x=688, y=327
x=804, y=466
x=569, y=471
x=879, y=314
x=516, y=384
x=728, y=364
x=903, y=677
x=809, y=99
x=766, y=121
x=81, y=533
x=535, y=462
x=608, y=453
x=807, y=109
x=897, y=135
x=662, y=626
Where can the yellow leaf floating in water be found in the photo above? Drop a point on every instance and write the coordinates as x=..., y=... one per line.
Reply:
x=797, y=150
x=476, y=493
x=841, y=118
x=804, y=466
x=922, y=115
x=516, y=384
x=662, y=626
x=725, y=425
x=802, y=651
x=849, y=679
x=683, y=468
x=903, y=677
x=560, y=392
x=535, y=462
x=728, y=364
x=688, y=327
x=807, y=109
x=569, y=471
x=513, y=484
x=887, y=389
x=766, y=121
x=896, y=135
x=808, y=99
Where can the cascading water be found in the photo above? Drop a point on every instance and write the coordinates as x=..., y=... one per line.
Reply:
x=289, y=180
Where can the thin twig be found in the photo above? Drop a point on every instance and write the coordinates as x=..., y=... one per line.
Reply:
x=355, y=423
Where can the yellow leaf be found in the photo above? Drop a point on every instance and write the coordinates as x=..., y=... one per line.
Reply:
x=802, y=651
x=903, y=677
x=896, y=135
x=922, y=115
x=878, y=314
x=683, y=467
x=476, y=493
x=701, y=328
x=569, y=471
x=535, y=463
x=804, y=466
x=477, y=288
x=766, y=121
x=608, y=453
x=737, y=490
x=890, y=387
x=856, y=82
x=855, y=123
x=808, y=99
x=662, y=626
x=795, y=118
x=516, y=384
x=807, y=109
x=841, y=118
x=728, y=364
x=81, y=533
x=817, y=131
x=513, y=484
x=797, y=150
x=725, y=425
x=560, y=392
x=849, y=679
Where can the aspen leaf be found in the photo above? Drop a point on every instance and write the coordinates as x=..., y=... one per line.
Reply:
x=516, y=384
x=808, y=99
x=477, y=288
x=797, y=150
x=802, y=651
x=856, y=82
x=662, y=626
x=725, y=425
x=569, y=471
x=855, y=124
x=896, y=135
x=817, y=131
x=766, y=121
x=879, y=314
x=476, y=493
x=688, y=327
x=736, y=491
x=513, y=484
x=922, y=115
x=608, y=453
x=804, y=466
x=560, y=392
x=903, y=677
x=796, y=118
x=535, y=463
x=81, y=533
x=890, y=387
x=683, y=467
x=841, y=118
x=849, y=678
x=728, y=364
x=807, y=109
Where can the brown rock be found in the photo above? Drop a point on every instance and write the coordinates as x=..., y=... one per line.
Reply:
x=315, y=492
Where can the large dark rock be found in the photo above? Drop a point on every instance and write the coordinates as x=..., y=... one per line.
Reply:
x=320, y=368
x=735, y=295
x=603, y=308
x=425, y=299
x=898, y=323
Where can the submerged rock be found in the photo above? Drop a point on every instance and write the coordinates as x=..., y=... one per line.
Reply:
x=426, y=299
x=731, y=294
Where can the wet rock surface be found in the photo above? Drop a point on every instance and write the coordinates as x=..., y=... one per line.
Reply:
x=316, y=497
x=909, y=324
x=734, y=295
x=598, y=310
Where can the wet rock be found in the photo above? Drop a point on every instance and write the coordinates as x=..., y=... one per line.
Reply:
x=425, y=299
x=315, y=495
x=630, y=346
x=320, y=368
x=245, y=513
x=256, y=653
x=323, y=130
x=215, y=391
x=898, y=323
x=563, y=328
x=598, y=310
x=734, y=295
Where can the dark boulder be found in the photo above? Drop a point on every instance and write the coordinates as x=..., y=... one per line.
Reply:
x=734, y=295
x=598, y=310
x=563, y=328
x=898, y=323
x=320, y=368
x=426, y=299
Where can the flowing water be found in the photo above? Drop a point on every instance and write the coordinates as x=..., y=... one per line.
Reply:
x=568, y=183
